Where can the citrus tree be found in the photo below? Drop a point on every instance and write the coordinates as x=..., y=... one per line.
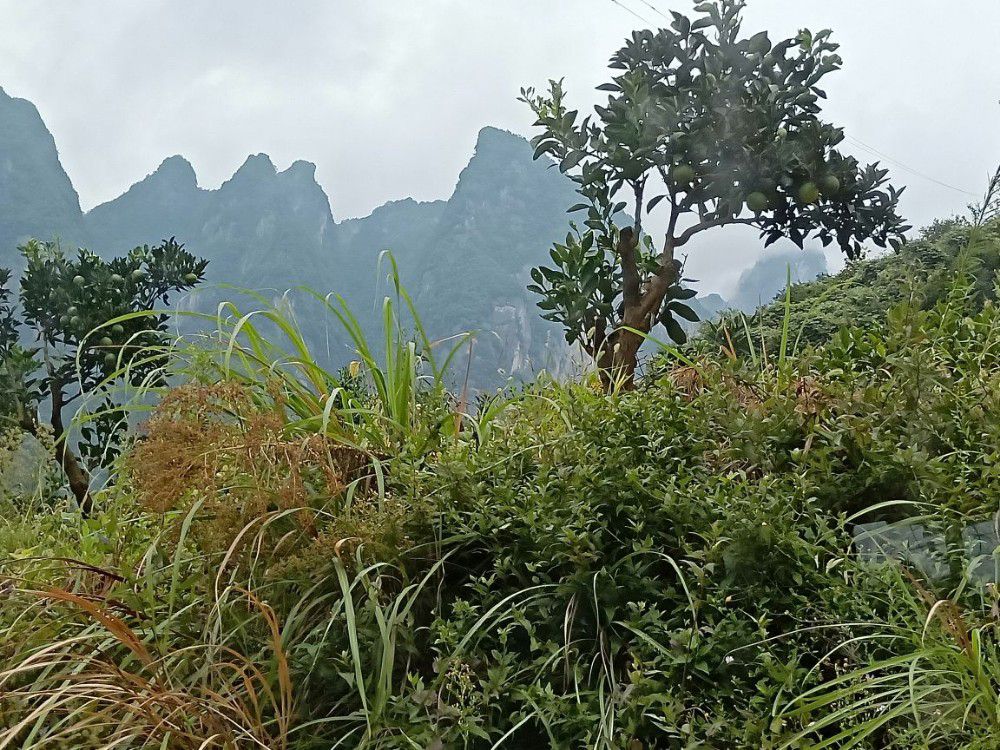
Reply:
x=712, y=128
x=84, y=323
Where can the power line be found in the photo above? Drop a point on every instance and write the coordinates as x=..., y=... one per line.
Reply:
x=907, y=168
x=655, y=9
x=629, y=10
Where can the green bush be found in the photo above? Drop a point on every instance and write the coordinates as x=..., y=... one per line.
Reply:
x=921, y=271
x=669, y=567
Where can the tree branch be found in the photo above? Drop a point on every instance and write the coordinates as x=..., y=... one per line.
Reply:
x=638, y=187
x=79, y=480
x=690, y=232
x=627, y=241
x=665, y=277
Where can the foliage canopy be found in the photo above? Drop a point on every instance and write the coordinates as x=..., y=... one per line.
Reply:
x=719, y=129
x=80, y=323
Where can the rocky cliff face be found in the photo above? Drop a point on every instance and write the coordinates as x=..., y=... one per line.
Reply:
x=265, y=228
x=464, y=260
x=37, y=198
x=766, y=278
x=165, y=203
x=261, y=228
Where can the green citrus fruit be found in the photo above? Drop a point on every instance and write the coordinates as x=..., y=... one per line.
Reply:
x=110, y=360
x=191, y=278
x=79, y=280
x=117, y=330
x=808, y=192
x=757, y=202
x=829, y=185
x=683, y=174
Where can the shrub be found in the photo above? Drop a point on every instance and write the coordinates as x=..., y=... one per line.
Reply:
x=666, y=567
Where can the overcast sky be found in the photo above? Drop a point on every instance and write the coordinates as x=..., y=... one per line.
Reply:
x=386, y=97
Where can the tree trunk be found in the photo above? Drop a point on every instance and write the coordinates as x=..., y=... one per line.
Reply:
x=617, y=353
x=79, y=479
x=618, y=362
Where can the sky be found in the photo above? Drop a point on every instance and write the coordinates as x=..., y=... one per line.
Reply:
x=387, y=96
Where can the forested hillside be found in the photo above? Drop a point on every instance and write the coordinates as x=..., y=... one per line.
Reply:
x=465, y=259
x=921, y=272
x=36, y=195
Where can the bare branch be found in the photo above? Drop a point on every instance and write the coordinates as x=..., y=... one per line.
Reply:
x=638, y=187
x=690, y=232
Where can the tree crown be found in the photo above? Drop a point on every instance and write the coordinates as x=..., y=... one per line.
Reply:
x=719, y=129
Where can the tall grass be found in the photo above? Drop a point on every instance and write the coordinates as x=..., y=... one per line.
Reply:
x=404, y=379
x=936, y=685
x=184, y=647
x=145, y=663
x=393, y=391
x=109, y=660
x=761, y=360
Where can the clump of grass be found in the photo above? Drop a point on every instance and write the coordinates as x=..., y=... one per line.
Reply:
x=936, y=685
x=118, y=676
x=227, y=448
x=394, y=395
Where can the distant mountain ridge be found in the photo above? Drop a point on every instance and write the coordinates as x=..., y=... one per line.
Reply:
x=464, y=260
x=36, y=194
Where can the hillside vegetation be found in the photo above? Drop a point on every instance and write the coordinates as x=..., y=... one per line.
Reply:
x=781, y=535
x=921, y=273
x=288, y=559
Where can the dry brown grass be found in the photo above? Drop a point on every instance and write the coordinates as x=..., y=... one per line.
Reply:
x=221, y=446
x=109, y=686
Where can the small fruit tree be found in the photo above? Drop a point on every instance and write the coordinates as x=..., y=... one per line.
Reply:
x=84, y=323
x=712, y=128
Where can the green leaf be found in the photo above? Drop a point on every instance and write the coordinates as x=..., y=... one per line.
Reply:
x=542, y=148
x=571, y=160
x=684, y=311
x=652, y=203
x=682, y=293
x=674, y=330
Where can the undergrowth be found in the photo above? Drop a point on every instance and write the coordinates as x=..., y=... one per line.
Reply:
x=286, y=557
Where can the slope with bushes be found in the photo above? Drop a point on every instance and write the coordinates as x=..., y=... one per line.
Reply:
x=922, y=271
x=292, y=558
